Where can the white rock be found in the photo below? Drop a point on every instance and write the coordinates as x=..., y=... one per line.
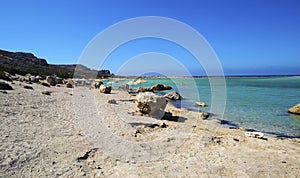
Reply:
x=105, y=89
x=149, y=103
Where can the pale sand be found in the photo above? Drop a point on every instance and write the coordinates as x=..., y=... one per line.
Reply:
x=77, y=135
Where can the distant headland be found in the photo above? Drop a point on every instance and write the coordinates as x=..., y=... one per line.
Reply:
x=27, y=63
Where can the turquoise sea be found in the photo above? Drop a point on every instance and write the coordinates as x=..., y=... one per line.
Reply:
x=258, y=103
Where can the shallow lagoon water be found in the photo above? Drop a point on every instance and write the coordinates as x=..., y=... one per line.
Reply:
x=258, y=103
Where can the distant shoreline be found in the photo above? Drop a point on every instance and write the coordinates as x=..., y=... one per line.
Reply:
x=226, y=76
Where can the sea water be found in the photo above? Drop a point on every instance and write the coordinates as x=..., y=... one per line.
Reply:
x=259, y=103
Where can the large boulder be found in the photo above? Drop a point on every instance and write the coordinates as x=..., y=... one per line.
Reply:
x=5, y=86
x=105, y=89
x=173, y=96
x=295, y=109
x=160, y=87
x=59, y=80
x=51, y=80
x=149, y=103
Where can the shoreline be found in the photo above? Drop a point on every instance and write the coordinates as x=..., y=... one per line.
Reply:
x=225, y=76
x=51, y=136
x=228, y=124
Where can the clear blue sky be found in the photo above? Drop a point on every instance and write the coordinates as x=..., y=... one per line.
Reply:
x=248, y=36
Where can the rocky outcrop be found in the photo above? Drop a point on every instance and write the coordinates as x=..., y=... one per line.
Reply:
x=149, y=103
x=173, y=96
x=161, y=87
x=5, y=86
x=105, y=89
x=295, y=109
x=32, y=78
x=53, y=80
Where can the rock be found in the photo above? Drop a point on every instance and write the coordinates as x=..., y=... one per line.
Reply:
x=28, y=87
x=97, y=84
x=105, y=89
x=51, y=80
x=295, y=109
x=46, y=92
x=204, y=115
x=149, y=103
x=254, y=134
x=5, y=86
x=34, y=79
x=59, y=80
x=41, y=77
x=27, y=77
x=45, y=84
x=144, y=90
x=112, y=101
x=201, y=104
x=69, y=85
x=161, y=87
x=5, y=76
x=173, y=96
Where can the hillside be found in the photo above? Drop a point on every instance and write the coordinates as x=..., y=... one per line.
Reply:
x=24, y=63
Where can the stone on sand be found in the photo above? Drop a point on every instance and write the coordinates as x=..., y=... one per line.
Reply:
x=6, y=76
x=149, y=103
x=105, y=89
x=46, y=92
x=204, y=115
x=97, y=84
x=5, y=86
x=69, y=85
x=45, y=84
x=28, y=87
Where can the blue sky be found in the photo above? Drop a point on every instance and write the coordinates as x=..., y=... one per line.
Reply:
x=249, y=37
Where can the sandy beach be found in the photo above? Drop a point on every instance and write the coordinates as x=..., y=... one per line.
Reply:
x=75, y=132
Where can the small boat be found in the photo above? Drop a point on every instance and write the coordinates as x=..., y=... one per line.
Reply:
x=254, y=134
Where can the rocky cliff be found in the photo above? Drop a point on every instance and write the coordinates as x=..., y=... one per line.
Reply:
x=24, y=63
